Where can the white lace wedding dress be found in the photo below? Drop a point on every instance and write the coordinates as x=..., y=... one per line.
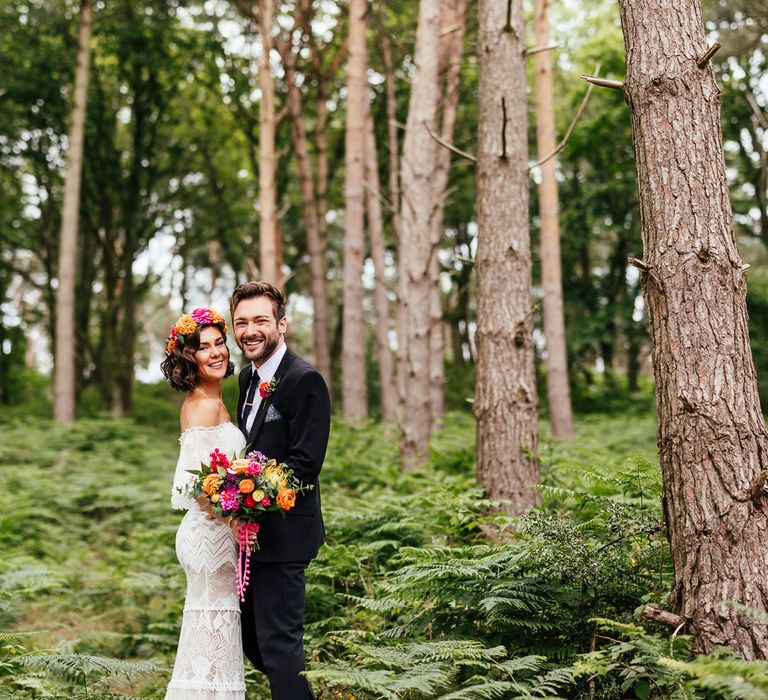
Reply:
x=209, y=660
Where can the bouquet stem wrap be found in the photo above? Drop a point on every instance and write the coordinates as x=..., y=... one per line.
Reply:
x=243, y=560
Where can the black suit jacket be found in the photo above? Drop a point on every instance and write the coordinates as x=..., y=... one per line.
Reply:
x=296, y=432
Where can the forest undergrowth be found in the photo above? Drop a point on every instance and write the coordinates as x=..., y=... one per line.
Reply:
x=425, y=590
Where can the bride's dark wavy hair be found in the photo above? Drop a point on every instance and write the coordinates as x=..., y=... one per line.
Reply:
x=179, y=366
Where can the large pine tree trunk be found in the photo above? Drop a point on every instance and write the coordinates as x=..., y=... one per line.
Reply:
x=380, y=292
x=713, y=444
x=355, y=395
x=558, y=391
x=315, y=242
x=417, y=213
x=268, y=229
x=505, y=397
x=64, y=372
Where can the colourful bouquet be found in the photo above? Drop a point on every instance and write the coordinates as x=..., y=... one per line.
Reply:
x=246, y=488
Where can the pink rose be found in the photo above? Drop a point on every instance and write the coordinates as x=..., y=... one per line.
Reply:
x=265, y=501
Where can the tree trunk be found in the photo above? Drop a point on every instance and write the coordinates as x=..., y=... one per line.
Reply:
x=268, y=231
x=417, y=213
x=380, y=292
x=315, y=242
x=558, y=391
x=64, y=373
x=452, y=20
x=713, y=444
x=401, y=366
x=354, y=390
x=505, y=397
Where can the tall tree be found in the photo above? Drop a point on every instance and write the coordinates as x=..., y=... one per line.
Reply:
x=558, y=391
x=64, y=373
x=355, y=395
x=268, y=224
x=713, y=444
x=315, y=241
x=452, y=21
x=417, y=213
x=505, y=397
x=380, y=291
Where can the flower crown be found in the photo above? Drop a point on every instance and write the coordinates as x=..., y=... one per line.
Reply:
x=187, y=324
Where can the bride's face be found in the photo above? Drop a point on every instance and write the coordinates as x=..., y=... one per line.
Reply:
x=212, y=355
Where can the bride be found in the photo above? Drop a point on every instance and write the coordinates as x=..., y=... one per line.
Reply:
x=209, y=659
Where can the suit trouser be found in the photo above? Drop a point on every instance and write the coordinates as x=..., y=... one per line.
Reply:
x=273, y=627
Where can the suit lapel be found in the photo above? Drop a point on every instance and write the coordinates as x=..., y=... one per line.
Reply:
x=258, y=421
x=246, y=377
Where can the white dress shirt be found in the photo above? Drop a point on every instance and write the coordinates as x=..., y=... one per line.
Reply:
x=266, y=374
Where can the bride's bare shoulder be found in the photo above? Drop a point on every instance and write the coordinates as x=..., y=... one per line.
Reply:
x=201, y=412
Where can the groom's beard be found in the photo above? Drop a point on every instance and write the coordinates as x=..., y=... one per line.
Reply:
x=260, y=355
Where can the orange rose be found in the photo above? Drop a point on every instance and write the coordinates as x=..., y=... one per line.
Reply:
x=247, y=486
x=238, y=465
x=286, y=498
x=211, y=484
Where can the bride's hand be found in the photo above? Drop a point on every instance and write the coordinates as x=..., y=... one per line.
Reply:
x=206, y=506
x=234, y=525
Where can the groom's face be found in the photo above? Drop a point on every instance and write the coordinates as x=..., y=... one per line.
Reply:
x=257, y=332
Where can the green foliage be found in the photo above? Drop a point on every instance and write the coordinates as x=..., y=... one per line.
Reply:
x=424, y=590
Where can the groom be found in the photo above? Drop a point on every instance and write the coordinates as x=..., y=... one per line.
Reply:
x=284, y=412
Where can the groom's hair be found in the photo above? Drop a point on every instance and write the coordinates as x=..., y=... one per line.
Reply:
x=259, y=289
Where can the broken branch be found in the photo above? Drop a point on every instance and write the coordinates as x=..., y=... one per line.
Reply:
x=540, y=49
x=450, y=146
x=604, y=82
x=758, y=486
x=639, y=264
x=665, y=617
x=571, y=127
x=711, y=51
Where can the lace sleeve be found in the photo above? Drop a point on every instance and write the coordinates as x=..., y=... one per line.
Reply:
x=194, y=449
x=196, y=446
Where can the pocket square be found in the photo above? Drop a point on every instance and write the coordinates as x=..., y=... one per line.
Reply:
x=272, y=414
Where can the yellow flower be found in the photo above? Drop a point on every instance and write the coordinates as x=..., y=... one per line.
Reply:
x=211, y=484
x=276, y=476
x=258, y=495
x=186, y=324
x=214, y=498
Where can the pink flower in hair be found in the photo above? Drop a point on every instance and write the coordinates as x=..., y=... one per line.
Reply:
x=202, y=316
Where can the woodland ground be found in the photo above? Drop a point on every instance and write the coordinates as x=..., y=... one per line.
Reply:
x=421, y=592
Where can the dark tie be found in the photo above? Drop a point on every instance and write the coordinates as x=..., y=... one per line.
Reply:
x=250, y=396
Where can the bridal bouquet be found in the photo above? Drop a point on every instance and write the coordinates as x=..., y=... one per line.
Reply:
x=246, y=488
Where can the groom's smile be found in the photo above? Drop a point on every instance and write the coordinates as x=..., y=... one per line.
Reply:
x=257, y=331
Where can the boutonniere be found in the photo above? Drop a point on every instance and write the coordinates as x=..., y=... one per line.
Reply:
x=266, y=389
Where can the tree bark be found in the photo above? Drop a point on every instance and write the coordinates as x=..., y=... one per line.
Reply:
x=315, y=242
x=268, y=229
x=64, y=373
x=452, y=20
x=713, y=444
x=417, y=213
x=380, y=292
x=354, y=390
x=558, y=390
x=401, y=366
x=505, y=397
